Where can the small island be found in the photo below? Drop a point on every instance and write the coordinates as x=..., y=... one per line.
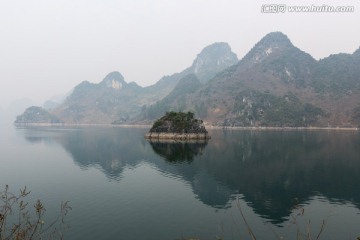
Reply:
x=178, y=126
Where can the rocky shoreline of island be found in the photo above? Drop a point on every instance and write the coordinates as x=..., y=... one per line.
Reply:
x=177, y=136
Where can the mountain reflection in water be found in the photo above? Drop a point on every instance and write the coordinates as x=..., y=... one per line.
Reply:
x=269, y=169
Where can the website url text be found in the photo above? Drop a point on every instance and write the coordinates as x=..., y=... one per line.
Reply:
x=282, y=8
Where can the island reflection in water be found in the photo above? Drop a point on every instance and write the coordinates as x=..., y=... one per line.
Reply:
x=178, y=151
x=269, y=169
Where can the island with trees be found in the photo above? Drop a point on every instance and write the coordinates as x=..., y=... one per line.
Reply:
x=178, y=126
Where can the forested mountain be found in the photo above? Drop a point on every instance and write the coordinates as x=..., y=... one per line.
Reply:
x=113, y=100
x=277, y=84
x=274, y=84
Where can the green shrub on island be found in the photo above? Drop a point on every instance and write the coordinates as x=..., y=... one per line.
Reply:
x=178, y=122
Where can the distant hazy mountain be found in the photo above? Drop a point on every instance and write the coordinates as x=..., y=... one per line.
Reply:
x=55, y=101
x=36, y=115
x=275, y=84
x=176, y=100
x=113, y=100
x=110, y=100
x=17, y=107
x=212, y=60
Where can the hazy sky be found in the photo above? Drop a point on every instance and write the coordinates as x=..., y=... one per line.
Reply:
x=49, y=46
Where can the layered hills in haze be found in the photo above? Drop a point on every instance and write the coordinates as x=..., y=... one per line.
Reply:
x=275, y=84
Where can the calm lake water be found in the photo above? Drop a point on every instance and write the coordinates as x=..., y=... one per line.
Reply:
x=120, y=186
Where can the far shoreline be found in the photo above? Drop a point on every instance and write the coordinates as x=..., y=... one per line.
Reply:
x=258, y=128
x=286, y=128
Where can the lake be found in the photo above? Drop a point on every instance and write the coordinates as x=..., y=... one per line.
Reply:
x=121, y=186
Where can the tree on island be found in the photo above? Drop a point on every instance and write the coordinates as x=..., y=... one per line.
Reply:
x=178, y=122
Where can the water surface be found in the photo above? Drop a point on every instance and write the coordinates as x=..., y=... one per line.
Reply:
x=123, y=187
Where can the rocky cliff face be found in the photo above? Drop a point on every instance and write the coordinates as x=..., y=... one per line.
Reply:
x=270, y=44
x=114, y=80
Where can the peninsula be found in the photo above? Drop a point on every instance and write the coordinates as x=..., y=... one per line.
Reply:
x=178, y=126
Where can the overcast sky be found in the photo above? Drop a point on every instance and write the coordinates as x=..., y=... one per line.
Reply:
x=49, y=46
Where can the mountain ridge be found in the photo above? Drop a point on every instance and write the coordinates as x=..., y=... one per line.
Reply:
x=113, y=100
x=270, y=77
x=274, y=84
